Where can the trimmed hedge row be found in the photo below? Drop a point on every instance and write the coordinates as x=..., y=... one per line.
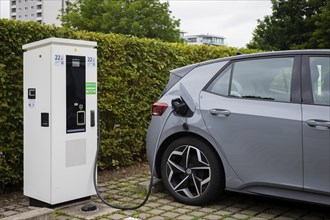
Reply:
x=131, y=74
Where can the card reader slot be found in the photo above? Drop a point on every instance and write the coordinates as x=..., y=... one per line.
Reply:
x=80, y=118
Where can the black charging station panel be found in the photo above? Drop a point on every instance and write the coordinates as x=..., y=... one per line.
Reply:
x=75, y=94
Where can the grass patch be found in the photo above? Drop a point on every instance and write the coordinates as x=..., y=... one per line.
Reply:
x=58, y=213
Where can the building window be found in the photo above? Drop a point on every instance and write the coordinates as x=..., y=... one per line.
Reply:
x=19, y=16
x=39, y=6
x=26, y=8
x=32, y=15
x=216, y=41
x=13, y=17
x=32, y=6
x=13, y=2
x=39, y=14
x=192, y=40
x=13, y=10
x=207, y=40
x=26, y=16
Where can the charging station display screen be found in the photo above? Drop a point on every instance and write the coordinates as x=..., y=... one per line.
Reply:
x=75, y=94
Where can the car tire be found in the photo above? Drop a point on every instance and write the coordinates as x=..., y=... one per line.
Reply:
x=192, y=172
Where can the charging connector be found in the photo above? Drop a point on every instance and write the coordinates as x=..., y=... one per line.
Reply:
x=181, y=108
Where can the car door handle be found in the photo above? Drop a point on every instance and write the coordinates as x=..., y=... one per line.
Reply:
x=321, y=123
x=220, y=112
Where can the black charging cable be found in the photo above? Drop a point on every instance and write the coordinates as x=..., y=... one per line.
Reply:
x=152, y=168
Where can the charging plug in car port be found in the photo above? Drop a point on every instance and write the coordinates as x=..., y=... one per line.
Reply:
x=180, y=107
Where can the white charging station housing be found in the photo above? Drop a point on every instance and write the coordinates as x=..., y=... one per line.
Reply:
x=60, y=120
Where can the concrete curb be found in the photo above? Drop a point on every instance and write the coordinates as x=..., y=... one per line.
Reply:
x=36, y=214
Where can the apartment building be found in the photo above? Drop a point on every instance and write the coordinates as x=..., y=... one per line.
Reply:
x=42, y=11
x=207, y=39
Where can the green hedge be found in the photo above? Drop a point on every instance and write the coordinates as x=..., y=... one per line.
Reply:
x=131, y=74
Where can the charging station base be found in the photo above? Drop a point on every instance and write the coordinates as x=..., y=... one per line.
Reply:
x=89, y=208
x=38, y=203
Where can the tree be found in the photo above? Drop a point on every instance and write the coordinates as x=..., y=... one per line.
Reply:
x=140, y=18
x=291, y=26
x=321, y=34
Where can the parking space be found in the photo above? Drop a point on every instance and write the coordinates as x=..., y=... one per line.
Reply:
x=124, y=191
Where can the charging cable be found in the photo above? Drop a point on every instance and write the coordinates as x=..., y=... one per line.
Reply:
x=152, y=168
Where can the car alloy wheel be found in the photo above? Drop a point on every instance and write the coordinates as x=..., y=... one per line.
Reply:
x=192, y=172
x=188, y=171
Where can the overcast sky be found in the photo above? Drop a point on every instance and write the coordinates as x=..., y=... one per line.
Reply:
x=4, y=8
x=233, y=19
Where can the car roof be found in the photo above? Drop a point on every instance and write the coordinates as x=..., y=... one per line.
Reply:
x=267, y=54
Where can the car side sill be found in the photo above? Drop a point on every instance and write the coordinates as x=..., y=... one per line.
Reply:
x=291, y=193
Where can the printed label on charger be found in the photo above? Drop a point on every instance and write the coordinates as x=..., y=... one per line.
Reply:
x=32, y=103
x=59, y=60
x=90, y=88
x=91, y=62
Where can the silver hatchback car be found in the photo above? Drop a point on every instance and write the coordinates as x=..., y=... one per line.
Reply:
x=257, y=124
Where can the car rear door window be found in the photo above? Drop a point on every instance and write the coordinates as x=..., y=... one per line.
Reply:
x=220, y=85
x=320, y=78
x=263, y=79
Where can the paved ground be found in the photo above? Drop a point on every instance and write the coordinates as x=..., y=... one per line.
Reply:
x=162, y=206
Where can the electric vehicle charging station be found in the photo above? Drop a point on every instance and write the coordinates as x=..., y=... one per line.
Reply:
x=60, y=120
